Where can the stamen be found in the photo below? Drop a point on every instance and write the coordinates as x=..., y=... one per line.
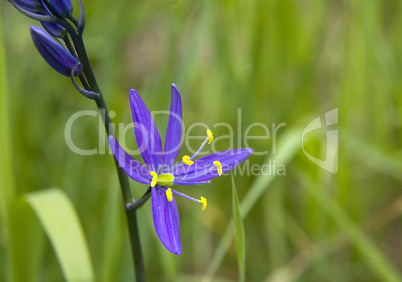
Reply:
x=200, y=148
x=218, y=166
x=186, y=159
x=154, y=178
x=170, y=192
x=204, y=202
x=169, y=195
x=210, y=136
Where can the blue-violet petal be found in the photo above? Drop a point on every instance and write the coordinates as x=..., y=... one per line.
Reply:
x=204, y=169
x=131, y=166
x=149, y=141
x=166, y=220
x=174, y=131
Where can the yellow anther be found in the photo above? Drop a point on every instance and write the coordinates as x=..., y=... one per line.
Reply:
x=186, y=160
x=218, y=166
x=204, y=202
x=154, y=178
x=169, y=195
x=210, y=136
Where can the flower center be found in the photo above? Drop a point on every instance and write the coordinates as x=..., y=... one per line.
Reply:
x=163, y=179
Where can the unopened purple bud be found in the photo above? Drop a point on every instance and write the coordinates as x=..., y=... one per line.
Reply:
x=63, y=8
x=53, y=53
x=54, y=29
x=33, y=6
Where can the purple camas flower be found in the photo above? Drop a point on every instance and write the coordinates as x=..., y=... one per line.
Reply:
x=63, y=8
x=161, y=173
x=53, y=53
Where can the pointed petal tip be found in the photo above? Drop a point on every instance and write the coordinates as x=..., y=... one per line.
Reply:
x=175, y=89
x=176, y=252
x=34, y=28
x=133, y=92
x=176, y=249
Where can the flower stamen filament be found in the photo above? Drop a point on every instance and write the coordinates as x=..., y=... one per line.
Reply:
x=202, y=200
x=187, y=160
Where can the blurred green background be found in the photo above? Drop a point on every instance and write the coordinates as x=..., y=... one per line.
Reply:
x=279, y=62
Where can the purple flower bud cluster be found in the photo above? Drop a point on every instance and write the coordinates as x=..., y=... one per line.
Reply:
x=53, y=15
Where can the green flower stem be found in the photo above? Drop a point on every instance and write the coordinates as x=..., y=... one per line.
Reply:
x=71, y=49
x=131, y=214
x=136, y=204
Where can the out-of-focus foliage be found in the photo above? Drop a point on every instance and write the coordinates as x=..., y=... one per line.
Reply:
x=235, y=62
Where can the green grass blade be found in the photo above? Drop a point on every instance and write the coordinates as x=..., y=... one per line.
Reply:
x=239, y=233
x=63, y=228
x=288, y=145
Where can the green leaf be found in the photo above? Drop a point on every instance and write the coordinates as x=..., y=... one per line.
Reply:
x=25, y=241
x=239, y=233
x=62, y=226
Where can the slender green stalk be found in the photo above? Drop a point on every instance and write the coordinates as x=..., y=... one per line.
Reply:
x=128, y=199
